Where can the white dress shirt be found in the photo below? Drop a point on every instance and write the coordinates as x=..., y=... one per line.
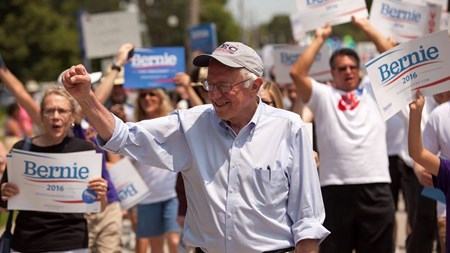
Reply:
x=251, y=192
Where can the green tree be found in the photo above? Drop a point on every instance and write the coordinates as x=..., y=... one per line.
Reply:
x=40, y=37
x=278, y=30
x=214, y=12
x=159, y=33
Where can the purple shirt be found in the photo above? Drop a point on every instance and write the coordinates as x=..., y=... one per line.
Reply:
x=89, y=134
x=442, y=182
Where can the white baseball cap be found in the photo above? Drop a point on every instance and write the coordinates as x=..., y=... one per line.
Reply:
x=235, y=55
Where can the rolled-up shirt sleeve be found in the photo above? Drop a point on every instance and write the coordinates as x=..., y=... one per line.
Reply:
x=158, y=142
x=305, y=204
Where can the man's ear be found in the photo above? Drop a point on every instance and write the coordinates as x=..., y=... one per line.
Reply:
x=257, y=84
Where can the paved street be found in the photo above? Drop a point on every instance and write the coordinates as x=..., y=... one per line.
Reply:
x=401, y=232
x=128, y=237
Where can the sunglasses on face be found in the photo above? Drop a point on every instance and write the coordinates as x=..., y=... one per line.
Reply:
x=344, y=68
x=145, y=94
x=268, y=102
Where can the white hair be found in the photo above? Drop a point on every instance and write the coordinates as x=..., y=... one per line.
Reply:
x=247, y=74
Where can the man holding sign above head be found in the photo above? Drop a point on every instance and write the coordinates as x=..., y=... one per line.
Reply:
x=248, y=168
x=354, y=171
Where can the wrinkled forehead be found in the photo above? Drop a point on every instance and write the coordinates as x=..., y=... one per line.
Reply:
x=55, y=100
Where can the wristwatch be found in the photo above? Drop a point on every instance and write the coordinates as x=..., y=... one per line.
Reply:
x=116, y=67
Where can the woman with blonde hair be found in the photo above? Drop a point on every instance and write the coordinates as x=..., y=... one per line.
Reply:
x=156, y=214
x=270, y=94
x=37, y=231
x=147, y=107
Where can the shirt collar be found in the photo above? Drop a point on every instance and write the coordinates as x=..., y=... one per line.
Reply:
x=253, y=121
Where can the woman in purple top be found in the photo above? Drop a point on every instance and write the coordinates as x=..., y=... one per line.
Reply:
x=439, y=167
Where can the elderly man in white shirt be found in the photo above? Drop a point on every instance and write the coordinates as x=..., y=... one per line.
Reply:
x=250, y=177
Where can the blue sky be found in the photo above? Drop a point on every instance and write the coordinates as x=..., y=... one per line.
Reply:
x=257, y=12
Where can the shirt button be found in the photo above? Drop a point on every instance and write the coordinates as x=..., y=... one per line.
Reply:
x=229, y=238
x=229, y=215
x=231, y=190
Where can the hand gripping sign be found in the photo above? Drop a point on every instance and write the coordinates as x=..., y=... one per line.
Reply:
x=54, y=182
x=320, y=12
x=420, y=64
x=154, y=67
x=130, y=189
x=404, y=21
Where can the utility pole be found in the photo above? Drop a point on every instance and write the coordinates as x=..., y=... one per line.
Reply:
x=193, y=19
x=241, y=8
x=194, y=15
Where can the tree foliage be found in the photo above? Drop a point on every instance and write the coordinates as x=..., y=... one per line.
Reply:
x=40, y=37
x=278, y=30
x=214, y=12
x=161, y=34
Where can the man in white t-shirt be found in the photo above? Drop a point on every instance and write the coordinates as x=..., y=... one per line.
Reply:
x=354, y=173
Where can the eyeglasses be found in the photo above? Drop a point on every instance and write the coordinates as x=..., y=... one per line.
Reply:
x=222, y=87
x=268, y=102
x=144, y=94
x=51, y=112
x=344, y=68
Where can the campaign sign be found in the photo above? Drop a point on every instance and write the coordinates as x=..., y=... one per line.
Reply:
x=203, y=38
x=320, y=12
x=131, y=189
x=445, y=18
x=154, y=67
x=286, y=55
x=298, y=32
x=404, y=21
x=103, y=33
x=442, y=3
x=366, y=51
x=51, y=182
x=420, y=64
x=434, y=194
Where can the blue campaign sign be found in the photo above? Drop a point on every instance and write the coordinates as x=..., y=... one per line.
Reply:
x=154, y=67
x=203, y=38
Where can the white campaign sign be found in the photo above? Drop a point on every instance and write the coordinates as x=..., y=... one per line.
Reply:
x=130, y=188
x=320, y=12
x=54, y=182
x=104, y=33
x=404, y=21
x=285, y=56
x=366, y=51
x=442, y=3
x=420, y=64
x=298, y=32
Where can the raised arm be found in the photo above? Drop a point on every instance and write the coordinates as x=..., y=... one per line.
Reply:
x=103, y=91
x=16, y=87
x=299, y=71
x=78, y=83
x=416, y=150
x=184, y=80
x=381, y=42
